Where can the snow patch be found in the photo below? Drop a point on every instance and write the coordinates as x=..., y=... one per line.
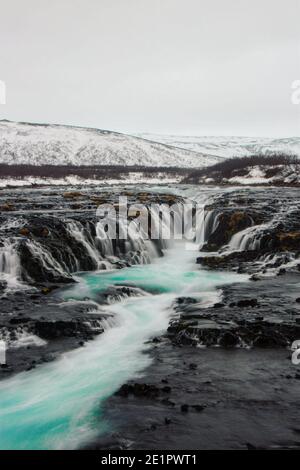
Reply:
x=129, y=178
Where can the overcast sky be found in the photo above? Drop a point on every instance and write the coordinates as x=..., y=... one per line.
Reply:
x=201, y=67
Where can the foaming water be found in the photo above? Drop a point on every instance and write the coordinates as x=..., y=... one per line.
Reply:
x=10, y=265
x=59, y=405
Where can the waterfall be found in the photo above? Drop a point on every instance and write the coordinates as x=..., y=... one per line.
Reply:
x=10, y=267
x=167, y=223
x=207, y=222
x=132, y=241
x=102, y=238
x=77, y=246
x=199, y=222
x=160, y=229
x=76, y=230
x=247, y=239
x=139, y=244
x=46, y=260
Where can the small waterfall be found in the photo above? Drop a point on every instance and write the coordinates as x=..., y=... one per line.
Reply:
x=168, y=223
x=109, y=322
x=129, y=240
x=76, y=230
x=215, y=223
x=207, y=222
x=248, y=239
x=46, y=259
x=10, y=267
x=103, y=240
x=141, y=250
x=160, y=227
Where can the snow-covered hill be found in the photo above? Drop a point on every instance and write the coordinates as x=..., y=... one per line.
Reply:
x=228, y=147
x=35, y=144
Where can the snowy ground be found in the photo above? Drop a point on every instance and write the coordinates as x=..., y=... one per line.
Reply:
x=228, y=147
x=31, y=144
x=129, y=178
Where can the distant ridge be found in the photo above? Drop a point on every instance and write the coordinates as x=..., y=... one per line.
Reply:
x=228, y=147
x=54, y=144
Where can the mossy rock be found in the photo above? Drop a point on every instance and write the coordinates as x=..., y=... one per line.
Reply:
x=288, y=241
x=7, y=207
x=72, y=195
x=24, y=231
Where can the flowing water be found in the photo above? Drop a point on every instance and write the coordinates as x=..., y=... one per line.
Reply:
x=59, y=405
x=9, y=264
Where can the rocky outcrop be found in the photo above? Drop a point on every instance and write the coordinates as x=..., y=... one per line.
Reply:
x=288, y=241
x=49, y=253
x=270, y=319
x=242, y=333
x=253, y=234
x=143, y=390
x=37, y=327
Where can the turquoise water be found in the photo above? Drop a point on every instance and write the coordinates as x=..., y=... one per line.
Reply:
x=59, y=405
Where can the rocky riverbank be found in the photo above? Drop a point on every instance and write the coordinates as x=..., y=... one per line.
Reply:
x=221, y=374
x=221, y=377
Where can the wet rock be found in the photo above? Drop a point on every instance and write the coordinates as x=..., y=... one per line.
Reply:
x=198, y=408
x=184, y=408
x=7, y=207
x=228, y=339
x=118, y=292
x=185, y=300
x=44, y=232
x=139, y=390
x=156, y=340
x=218, y=305
x=46, y=290
x=24, y=231
x=281, y=272
x=167, y=402
x=269, y=340
x=288, y=241
x=229, y=223
x=247, y=303
x=72, y=195
x=237, y=326
x=66, y=328
x=33, y=268
x=227, y=261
